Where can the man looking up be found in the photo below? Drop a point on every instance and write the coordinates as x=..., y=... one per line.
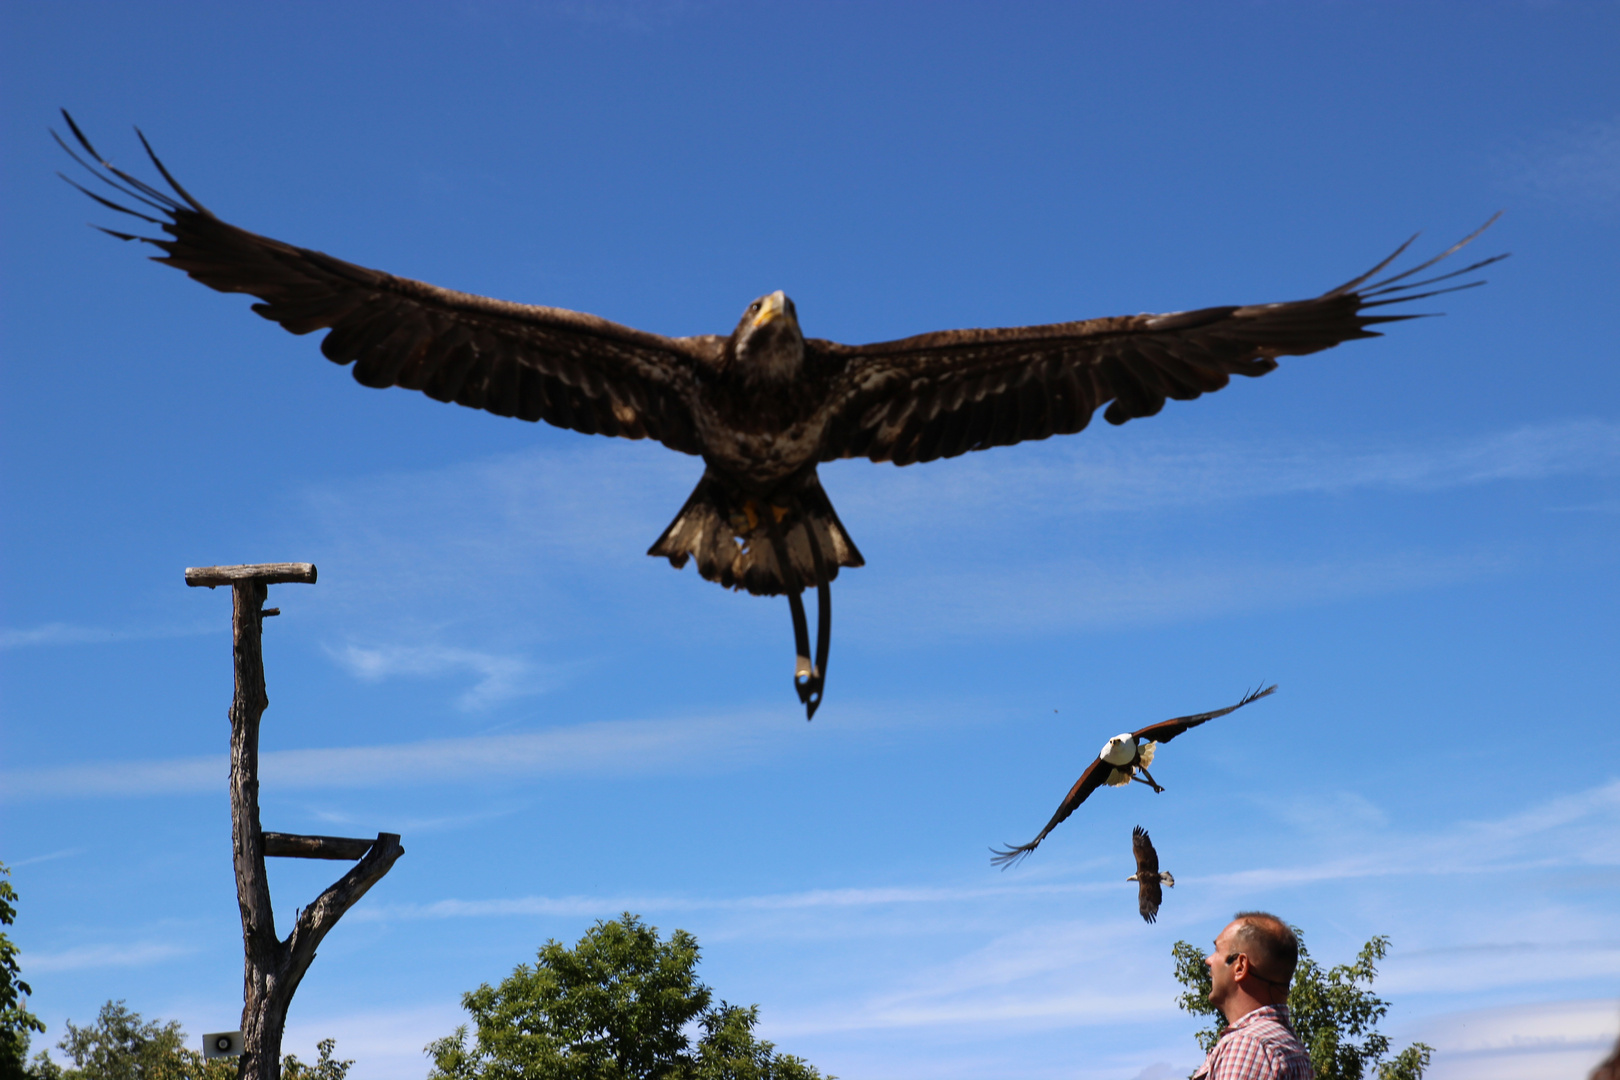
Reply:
x=1250, y=972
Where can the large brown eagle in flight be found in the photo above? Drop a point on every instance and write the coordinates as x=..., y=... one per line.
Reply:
x=763, y=405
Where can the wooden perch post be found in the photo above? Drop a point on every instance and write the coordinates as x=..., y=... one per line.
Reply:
x=274, y=966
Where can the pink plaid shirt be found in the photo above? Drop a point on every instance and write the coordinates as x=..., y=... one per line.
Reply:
x=1260, y=1046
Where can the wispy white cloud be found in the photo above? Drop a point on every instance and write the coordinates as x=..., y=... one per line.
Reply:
x=1587, y=822
x=60, y=633
x=1025, y=976
x=477, y=549
x=606, y=748
x=1093, y=595
x=502, y=516
x=1050, y=962
x=1577, y=164
x=417, y=826
x=1074, y=1008
x=1481, y=967
x=89, y=957
x=1102, y=476
x=796, y=901
x=113, y=778
x=1530, y=1041
x=65, y=853
x=500, y=677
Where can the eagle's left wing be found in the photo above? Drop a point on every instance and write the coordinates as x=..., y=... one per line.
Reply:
x=1147, y=860
x=943, y=394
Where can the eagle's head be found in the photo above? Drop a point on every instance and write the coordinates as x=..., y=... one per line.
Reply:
x=767, y=344
x=1120, y=750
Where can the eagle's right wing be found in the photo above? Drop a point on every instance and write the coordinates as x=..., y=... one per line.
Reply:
x=536, y=363
x=1089, y=781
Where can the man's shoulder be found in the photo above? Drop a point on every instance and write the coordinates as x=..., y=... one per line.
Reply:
x=1261, y=1036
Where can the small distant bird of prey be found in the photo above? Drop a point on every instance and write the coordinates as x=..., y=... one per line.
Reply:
x=1117, y=764
x=763, y=405
x=1148, y=876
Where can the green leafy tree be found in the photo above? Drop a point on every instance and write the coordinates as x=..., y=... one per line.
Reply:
x=120, y=1045
x=327, y=1068
x=1330, y=1009
x=617, y=1006
x=16, y=1022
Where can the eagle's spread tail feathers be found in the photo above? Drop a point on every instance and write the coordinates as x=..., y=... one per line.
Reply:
x=729, y=532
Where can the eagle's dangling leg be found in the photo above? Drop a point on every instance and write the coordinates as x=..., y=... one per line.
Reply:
x=808, y=678
x=810, y=689
x=804, y=672
x=1150, y=782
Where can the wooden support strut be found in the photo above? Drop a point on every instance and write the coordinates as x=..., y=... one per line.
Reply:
x=273, y=967
x=293, y=846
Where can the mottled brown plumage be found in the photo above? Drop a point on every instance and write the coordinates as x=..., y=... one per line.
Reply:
x=1148, y=876
x=764, y=405
x=1122, y=757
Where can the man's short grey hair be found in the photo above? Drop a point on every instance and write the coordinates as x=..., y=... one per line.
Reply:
x=1271, y=944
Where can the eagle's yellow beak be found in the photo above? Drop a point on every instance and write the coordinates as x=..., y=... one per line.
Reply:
x=771, y=308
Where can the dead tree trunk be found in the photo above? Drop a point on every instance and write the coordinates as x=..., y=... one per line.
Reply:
x=274, y=966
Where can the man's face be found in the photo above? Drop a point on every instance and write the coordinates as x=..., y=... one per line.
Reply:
x=1221, y=979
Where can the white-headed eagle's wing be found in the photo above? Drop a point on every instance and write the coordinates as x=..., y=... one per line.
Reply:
x=1149, y=895
x=1094, y=777
x=1165, y=730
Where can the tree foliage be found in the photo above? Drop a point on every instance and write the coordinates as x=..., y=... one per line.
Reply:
x=16, y=1022
x=1331, y=1009
x=616, y=1006
x=120, y=1045
x=326, y=1067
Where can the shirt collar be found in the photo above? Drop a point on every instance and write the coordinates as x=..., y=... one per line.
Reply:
x=1276, y=1013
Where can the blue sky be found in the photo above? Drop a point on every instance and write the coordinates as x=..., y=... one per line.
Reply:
x=1415, y=536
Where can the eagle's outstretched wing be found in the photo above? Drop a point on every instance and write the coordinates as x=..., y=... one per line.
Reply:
x=1147, y=860
x=536, y=363
x=1165, y=730
x=1149, y=894
x=942, y=394
x=1089, y=781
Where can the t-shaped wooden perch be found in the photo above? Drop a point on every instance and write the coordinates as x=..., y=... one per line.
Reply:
x=273, y=966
